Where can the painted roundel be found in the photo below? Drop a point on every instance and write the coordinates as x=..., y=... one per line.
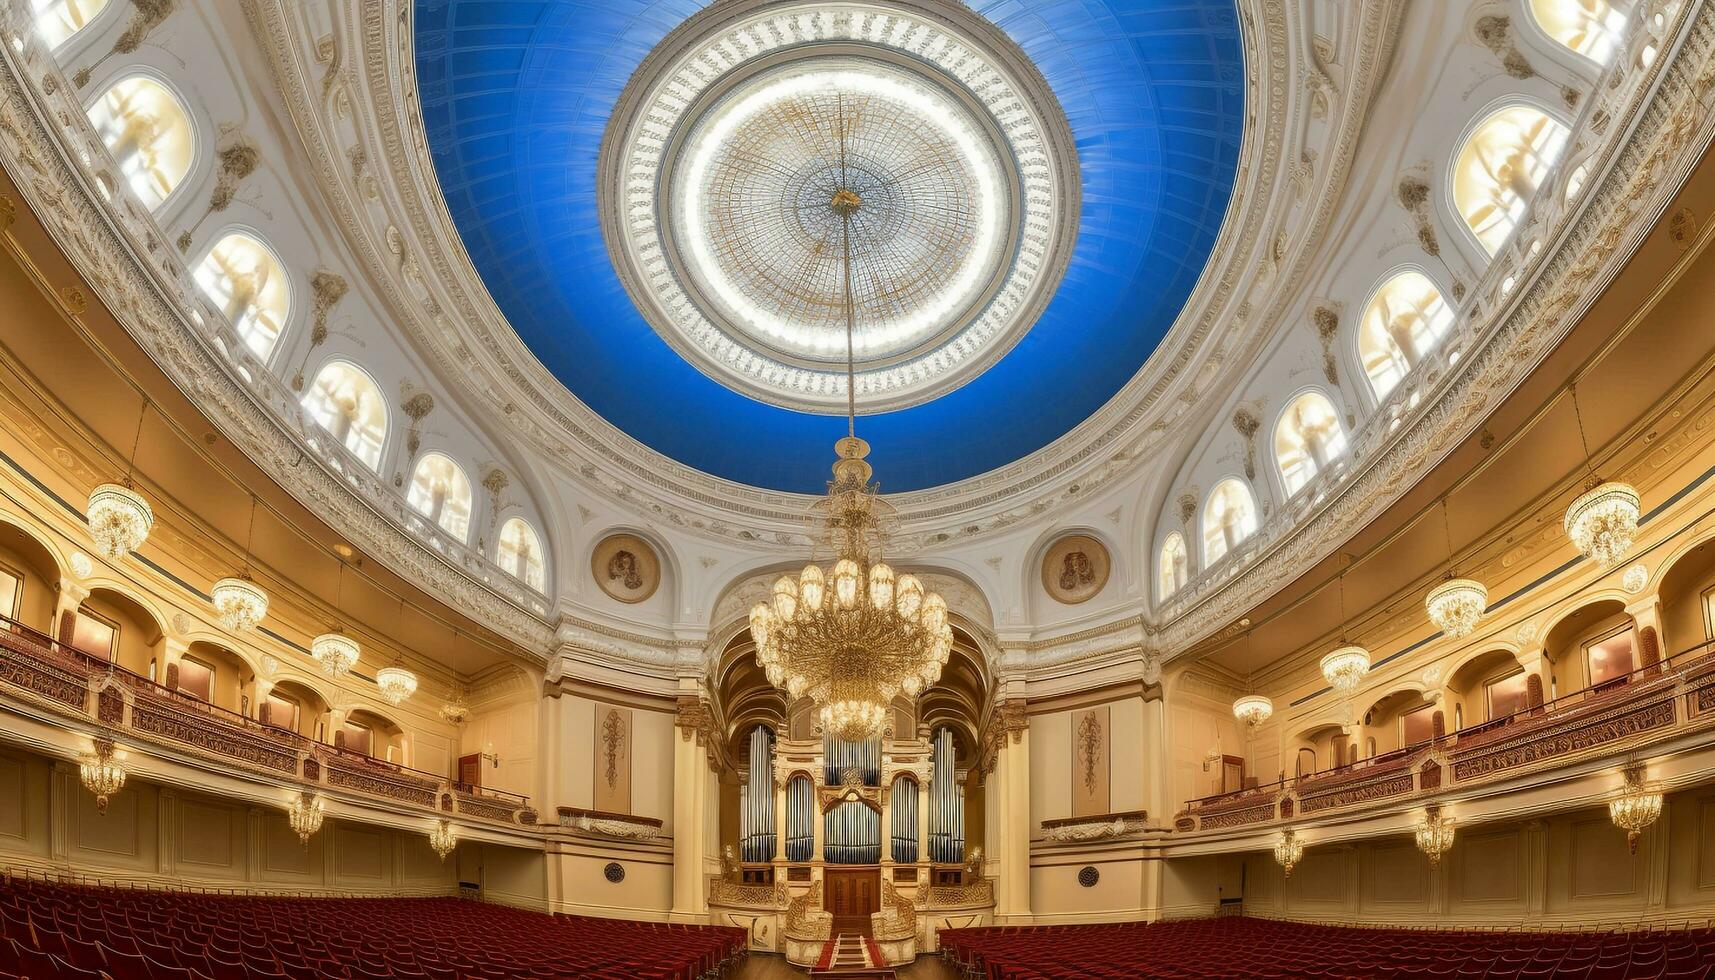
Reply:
x=660, y=196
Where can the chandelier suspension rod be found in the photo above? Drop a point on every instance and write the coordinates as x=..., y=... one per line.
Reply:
x=846, y=264
x=1447, y=537
x=1583, y=441
x=136, y=443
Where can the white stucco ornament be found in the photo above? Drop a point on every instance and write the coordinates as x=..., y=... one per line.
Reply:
x=1636, y=578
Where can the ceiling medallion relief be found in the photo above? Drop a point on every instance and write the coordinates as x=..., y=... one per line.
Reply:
x=626, y=568
x=440, y=304
x=722, y=153
x=1075, y=568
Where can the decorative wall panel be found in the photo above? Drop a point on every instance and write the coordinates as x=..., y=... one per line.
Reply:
x=612, y=767
x=1091, y=744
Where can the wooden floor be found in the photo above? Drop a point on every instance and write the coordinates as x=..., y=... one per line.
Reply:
x=760, y=966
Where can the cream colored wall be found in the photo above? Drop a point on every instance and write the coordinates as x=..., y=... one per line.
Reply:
x=36, y=601
x=1051, y=762
x=1568, y=869
x=139, y=636
x=509, y=875
x=652, y=737
x=511, y=727
x=1198, y=723
x=163, y=837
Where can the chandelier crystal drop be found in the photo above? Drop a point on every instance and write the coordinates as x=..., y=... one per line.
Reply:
x=1603, y=522
x=1434, y=835
x=1253, y=709
x=239, y=602
x=396, y=683
x=1456, y=606
x=102, y=773
x=336, y=652
x=456, y=711
x=305, y=814
x=119, y=520
x=1288, y=850
x=443, y=838
x=1344, y=669
x=1636, y=808
x=856, y=635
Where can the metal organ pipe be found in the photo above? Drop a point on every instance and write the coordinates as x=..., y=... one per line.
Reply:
x=946, y=803
x=904, y=820
x=756, y=802
x=852, y=831
x=800, y=817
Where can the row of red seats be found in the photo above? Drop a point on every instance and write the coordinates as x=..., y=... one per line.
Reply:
x=1262, y=949
x=49, y=929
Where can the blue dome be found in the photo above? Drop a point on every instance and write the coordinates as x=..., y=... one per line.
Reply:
x=516, y=98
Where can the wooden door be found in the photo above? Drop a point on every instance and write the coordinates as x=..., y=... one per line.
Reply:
x=851, y=896
x=470, y=770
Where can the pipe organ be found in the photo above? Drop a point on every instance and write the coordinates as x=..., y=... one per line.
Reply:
x=861, y=759
x=946, y=803
x=852, y=830
x=800, y=819
x=756, y=800
x=904, y=805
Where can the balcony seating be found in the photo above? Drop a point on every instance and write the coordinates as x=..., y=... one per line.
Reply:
x=1262, y=949
x=50, y=930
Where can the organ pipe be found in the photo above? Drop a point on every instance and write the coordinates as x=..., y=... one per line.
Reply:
x=852, y=834
x=905, y=821
x=864, y=757
x=756, y=800
x=800, y=817
x=946, y=803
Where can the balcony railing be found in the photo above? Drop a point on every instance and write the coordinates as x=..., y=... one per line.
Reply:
x=123, y=701
x=1651, y=702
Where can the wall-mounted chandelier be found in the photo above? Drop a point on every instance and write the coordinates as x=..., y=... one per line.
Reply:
x=238, y=600
x=1636, y=808
x=1288, y=851
x=102, y=773
x=853, y=637
x=1603, y=520
x=304, y=813
x=1434, y=835
x=443, y=838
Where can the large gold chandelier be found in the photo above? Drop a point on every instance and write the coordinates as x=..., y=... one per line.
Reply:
x=856, y=636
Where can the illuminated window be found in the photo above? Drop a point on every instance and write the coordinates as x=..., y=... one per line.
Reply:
x=1418, y=726
x=1405, y=320
x=520, y=553
x=348, y=404
x=1500, y=167
x=357, y=738
x=280, y=711
x=1175, y=565
x=441, y=492
x=1593, y=28
x=95, y=635
x=11, y=591
x=149, y=135
x=1307, y=439
x=1229, y=517
x=1610, y=658
x=196, y=679
x=58, y=20
x=1509, y=695
x=243, y=278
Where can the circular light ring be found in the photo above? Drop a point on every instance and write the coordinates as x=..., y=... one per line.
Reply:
x=119, y=519
x=946, y=53
x=1457, y=605
x=240, y=603
x=1253, y=709
x=1603, y=522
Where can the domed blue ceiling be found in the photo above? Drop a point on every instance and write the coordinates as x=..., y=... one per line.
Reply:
x=516, y=96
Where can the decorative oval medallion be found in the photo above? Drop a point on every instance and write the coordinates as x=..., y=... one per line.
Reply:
x=1075, y=568
x=626, y=568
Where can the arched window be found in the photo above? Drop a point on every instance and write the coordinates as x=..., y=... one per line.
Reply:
x=1499, y=168
x=1307, y=439
x=243, y=277
x=1174, y=567
x=441, y=492
x=1405, y=320
x=58, y=20
x=520, y=553
x=1593, y=28
x=1229, y=517
x=347, y=402
x=149, y=135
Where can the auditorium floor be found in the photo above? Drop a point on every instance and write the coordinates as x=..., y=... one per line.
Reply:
x=764, y=967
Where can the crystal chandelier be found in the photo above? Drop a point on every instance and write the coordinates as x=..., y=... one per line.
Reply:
x=396, y=683
x=1288, y=850
x=336, y=652
x=1344, y=669
x=1434, y=835
x=1635, y=808
x=1253, y=709
x=119, y=518
x=456, y=711
x=238, y=600
x=1456, y=606
x=305, y=815
x=1603, y=521
x=443, y=838
x=101, y=773
x=856, y=636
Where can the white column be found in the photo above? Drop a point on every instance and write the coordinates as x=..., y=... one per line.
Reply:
x=1012, y=900
x=691, y=779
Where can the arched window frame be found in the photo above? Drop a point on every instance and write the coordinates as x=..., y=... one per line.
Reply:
x=195, y=136
x=1231, y=534
x=376, y=447
x=537, y=581
x=452, y=507
x=1614, y=27
x=1519, y=214
x=39, y=13
x=1170, y=577
x=1402, y=361
x=243, y=322
x=1294, y=478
